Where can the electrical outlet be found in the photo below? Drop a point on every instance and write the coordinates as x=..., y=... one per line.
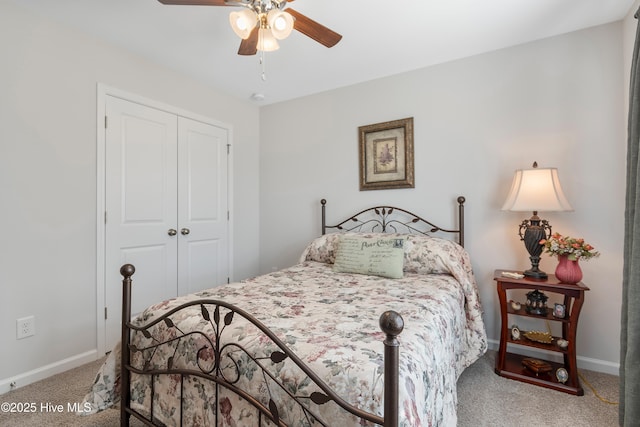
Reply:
x=25, y=327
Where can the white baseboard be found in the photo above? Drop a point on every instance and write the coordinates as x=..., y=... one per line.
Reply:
x=583, y=362
x=43, y=372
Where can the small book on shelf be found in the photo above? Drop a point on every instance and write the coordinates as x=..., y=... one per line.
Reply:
x=536, y=365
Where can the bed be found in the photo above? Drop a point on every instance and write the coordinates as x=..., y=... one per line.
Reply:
x=342, y=338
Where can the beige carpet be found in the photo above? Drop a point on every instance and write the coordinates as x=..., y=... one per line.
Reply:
x=484, y=399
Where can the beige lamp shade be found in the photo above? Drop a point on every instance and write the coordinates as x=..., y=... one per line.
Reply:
x=266, y=41
x=536, y=190
x=243, y=22
x=281, y=23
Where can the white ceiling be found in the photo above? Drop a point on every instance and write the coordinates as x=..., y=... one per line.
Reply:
x=380, y=38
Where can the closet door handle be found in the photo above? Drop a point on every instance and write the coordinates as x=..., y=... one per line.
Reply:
x=185, y=231
x=172, y=232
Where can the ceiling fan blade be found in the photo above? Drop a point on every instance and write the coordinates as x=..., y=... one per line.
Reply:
x=249, y=46
x=196, y=2
x=316, y=31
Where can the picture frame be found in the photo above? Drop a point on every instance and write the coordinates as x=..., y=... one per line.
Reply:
x=515, y=333
x=559, y=310
x=386, y=155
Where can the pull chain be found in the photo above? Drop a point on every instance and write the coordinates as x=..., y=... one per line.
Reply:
x=263, y=75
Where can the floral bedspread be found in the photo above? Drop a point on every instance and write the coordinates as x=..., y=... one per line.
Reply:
x=330, y=321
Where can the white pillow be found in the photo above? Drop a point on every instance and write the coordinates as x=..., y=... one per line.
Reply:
x=377, y=256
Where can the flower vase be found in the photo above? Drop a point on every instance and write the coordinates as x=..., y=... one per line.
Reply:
x=568, y=271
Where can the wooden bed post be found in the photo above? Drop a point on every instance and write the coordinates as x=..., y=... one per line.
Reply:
x=127, y=271
x=391, y=324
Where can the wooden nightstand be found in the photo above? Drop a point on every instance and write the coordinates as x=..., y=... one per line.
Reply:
x=509, y=364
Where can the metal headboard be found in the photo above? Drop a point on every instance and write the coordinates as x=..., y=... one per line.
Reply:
x=389, y=219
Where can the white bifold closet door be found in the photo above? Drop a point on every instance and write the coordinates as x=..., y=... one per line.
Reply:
x=166, y=206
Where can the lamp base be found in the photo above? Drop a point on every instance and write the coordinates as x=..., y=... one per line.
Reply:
x=535, y=273
x=535, y=229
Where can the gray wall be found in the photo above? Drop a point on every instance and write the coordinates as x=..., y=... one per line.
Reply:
x=48, y=181
x=558, y=101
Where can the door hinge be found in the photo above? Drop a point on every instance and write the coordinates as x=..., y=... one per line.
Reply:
x=228, y=148
x=105, y=122
x=105, y=313
x=228, y=216
x=228, y=280
x=105, y=217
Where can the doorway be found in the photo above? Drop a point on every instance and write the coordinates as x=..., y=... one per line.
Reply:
x=165, y=205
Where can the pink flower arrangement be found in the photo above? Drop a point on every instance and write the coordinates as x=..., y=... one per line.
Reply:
x=574, y=248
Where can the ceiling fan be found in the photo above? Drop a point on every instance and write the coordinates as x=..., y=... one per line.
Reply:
x=262, y=22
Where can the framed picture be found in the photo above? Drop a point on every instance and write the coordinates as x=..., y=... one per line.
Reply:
x=515, y=333
x=386, y=155
x=559, y=310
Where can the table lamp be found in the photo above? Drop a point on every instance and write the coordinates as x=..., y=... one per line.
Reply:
x=536, y=189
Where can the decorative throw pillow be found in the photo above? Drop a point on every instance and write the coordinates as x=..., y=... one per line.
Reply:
x=378, y=256
x=322, y=249
x=429, y=255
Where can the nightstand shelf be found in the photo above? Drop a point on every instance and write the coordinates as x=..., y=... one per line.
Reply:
x=509, y=364
x=549, y=347
x=514, y=369
x=549, y=316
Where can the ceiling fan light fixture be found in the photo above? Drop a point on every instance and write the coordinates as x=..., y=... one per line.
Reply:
x=281, y=23
x=243, y=22
x=266, y=41
x=262, y=22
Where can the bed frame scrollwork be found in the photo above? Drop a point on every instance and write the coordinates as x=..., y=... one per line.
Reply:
x=216, y=356
x=389, y=219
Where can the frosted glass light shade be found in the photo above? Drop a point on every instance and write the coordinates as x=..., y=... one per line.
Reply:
x=281, y=23
x=266, y=41
x=536, y=190
x=243, y=22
